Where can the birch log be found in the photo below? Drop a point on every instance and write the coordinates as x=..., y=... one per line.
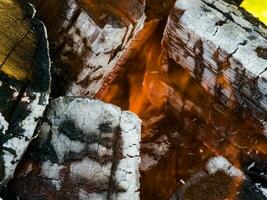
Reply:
x=24, y=81
x=91, y=39
x=86, y=150
x=224, y=48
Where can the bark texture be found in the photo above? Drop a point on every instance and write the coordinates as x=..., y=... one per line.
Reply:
x=24, y=81
x=86, y=149
x=224, y=48
x=91, y=39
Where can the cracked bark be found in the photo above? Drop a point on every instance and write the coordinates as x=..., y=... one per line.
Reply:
x=231, y=66
x=86, y=149
x=25, y=81
x=91, y=40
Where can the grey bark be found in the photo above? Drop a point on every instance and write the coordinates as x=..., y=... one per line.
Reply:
x=22, y=101
x=91, y=39
x=86, y=149
x=224, y=48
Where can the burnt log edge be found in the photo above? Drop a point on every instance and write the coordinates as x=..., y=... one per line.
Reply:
x=17, y=133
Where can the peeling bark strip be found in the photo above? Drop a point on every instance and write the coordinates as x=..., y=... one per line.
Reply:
x=91, y=39
x=86, y=150
x=24, y=82
x=223, y=47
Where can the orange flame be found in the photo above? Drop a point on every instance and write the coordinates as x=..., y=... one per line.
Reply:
x=153, y=88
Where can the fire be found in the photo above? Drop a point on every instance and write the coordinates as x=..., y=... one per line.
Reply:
x=138, y=94
x=111, y=93
x=154, y=85
x=153, y=88
x=145, y=83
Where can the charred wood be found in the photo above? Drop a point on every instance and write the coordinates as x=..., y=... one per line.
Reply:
x=91, y=40
x=222, y=180
x=24, y=81
x=86, y=149
x=223, y=48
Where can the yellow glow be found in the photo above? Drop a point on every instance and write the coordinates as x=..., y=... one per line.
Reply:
x=6, y=1
x=15, y=72
x=257, y=7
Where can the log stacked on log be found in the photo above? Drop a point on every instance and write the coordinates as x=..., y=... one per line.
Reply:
x=91, y=38
x=176, y=142
x=204, y=128
x=24, y=81
x=224, y=48
x=86, y=149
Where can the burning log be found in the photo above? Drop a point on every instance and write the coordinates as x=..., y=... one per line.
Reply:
x=24, y=81
x=224, y=48
x=91, y=39
x=86, y=149
x=236, y=136
x=183, y=125
x=222, y=180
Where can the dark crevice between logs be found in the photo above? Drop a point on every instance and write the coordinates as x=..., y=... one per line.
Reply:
x=262, y=52
x=188, y=137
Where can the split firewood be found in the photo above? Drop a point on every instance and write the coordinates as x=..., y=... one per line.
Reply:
x=224, y=48
x=86, y=149
x=91, y=39
x=24, y=81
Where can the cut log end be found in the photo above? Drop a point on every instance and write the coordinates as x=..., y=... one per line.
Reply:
x=86, y=149
x=222, y=48
x=91, y=39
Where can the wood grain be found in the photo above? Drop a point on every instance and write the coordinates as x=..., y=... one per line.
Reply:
x=223, y=47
